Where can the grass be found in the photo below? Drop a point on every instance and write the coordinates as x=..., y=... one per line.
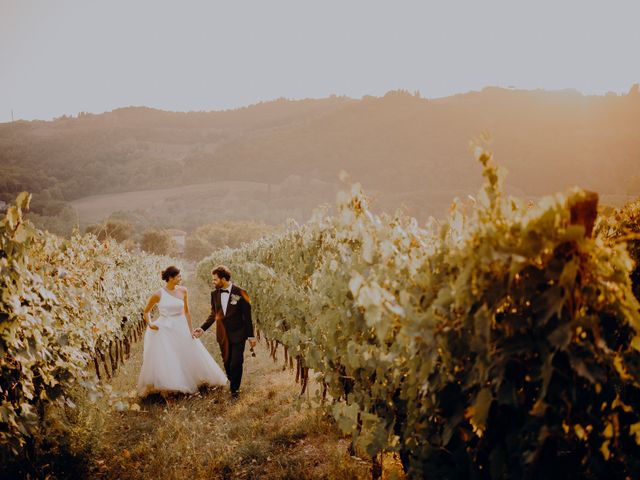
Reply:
x=268, y=433
x=95, y=208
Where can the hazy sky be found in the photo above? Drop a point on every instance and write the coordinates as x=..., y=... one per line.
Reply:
x=65, y=56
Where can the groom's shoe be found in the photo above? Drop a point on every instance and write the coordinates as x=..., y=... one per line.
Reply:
x=234, y=395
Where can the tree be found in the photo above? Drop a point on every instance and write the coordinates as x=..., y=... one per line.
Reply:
x=208, y=238
x=115, y=228
x=62, y=223
x=158, y=242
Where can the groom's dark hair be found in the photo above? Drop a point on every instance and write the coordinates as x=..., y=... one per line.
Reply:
x=222, y=272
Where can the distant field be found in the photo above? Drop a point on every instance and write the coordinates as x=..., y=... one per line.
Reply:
x=96, y=207
x=247, y=200
x=616, y=200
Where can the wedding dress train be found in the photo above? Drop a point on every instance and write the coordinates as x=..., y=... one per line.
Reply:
x=173, y=361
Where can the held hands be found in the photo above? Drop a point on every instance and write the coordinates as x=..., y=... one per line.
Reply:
x=197, y=332
x=252, y=342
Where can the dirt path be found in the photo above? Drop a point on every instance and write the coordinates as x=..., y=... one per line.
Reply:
x=268, y=433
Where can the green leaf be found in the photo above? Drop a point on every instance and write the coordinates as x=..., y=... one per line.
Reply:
x=22, y=233
x=481, y=407
x=346, y=416
x=23, y=200
x=13, y=217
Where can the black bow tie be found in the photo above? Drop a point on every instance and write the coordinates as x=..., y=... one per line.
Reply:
x=224, y=291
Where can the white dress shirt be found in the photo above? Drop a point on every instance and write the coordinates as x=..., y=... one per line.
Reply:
x=224, y=298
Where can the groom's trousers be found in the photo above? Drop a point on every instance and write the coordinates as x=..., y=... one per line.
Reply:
x=233, y=365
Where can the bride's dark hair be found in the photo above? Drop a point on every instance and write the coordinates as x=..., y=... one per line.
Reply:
x=170, y=272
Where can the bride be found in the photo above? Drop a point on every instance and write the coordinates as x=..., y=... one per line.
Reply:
x=173, y=360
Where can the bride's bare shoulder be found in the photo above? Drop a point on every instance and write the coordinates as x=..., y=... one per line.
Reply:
x=155, y=296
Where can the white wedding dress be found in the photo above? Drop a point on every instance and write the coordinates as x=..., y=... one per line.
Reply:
x=173, y=361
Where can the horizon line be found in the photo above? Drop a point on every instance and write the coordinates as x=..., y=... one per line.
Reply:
x=415, y=93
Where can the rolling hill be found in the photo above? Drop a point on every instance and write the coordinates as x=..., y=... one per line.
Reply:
x=405, y=150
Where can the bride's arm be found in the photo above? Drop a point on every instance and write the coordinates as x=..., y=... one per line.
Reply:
x=155, y=298
x=187, y=313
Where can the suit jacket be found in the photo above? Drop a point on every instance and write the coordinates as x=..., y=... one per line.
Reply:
x=236, y=325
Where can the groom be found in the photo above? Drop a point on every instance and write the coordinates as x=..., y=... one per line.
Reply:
x=231, y=310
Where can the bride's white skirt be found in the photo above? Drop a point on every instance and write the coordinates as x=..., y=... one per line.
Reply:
x=175, y=362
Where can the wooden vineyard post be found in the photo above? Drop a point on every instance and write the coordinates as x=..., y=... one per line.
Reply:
x=376, y=467
x=584, y=211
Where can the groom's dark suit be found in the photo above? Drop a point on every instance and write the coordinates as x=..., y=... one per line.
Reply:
x=232, y=330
